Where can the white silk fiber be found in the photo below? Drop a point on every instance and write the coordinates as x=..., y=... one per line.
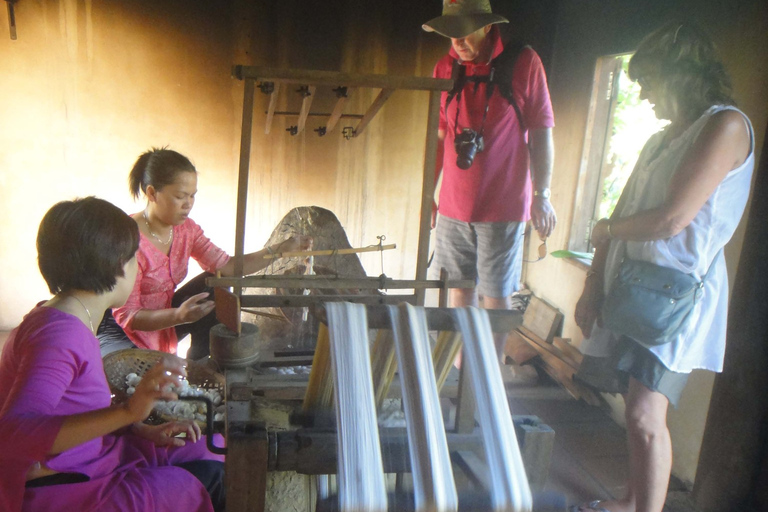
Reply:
x=433, y=483
x=360, y=473
x=510, y=491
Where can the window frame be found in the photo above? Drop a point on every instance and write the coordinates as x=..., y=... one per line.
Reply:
x=597, y=135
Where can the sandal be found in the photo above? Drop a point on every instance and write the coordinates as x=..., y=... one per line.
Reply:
x=591, y=506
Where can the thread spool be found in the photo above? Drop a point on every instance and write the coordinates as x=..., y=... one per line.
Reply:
x=232, y=350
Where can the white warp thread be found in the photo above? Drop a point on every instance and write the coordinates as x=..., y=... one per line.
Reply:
x=510, y=491
x=433, y=484
x=361, y=473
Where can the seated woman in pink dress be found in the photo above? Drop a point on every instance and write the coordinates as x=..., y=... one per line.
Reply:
x=62, y=445
x=156, y=316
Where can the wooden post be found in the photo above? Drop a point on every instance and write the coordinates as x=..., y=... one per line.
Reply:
x=442, y=298
x=465, y=404
x=246, y=471
x=427, y=191
x=242, y=182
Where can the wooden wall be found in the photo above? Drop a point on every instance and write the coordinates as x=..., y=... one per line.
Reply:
x=88, y=86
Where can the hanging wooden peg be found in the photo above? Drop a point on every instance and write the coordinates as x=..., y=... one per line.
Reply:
x=272, y=89
x=341, y=95
x=308, y=93
x=11, y=18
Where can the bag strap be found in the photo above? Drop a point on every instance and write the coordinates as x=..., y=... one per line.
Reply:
x=503, y=68
x=711, y=265
x=502, y=72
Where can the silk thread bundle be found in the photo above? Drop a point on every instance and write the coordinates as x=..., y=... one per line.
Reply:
x=433, y=483
x=360, y=470
x=510, y=491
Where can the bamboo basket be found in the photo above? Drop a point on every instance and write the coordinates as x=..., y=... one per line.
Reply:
x=122, y=362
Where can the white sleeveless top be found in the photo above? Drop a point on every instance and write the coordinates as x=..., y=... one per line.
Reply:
x=701, y=344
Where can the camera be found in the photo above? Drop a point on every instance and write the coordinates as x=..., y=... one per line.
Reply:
x=467, y=144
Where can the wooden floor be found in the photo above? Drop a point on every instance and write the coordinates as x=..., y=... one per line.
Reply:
x=589, y=461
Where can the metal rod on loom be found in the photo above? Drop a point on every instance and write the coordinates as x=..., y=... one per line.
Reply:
x=361, y=472
x=433, y=484
x=509, y=487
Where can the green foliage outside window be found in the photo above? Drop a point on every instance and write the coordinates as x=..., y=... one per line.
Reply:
x=633, y=123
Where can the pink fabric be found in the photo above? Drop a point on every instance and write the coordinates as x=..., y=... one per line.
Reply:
x=50, y=368
x=158, y=276
x=497, y=187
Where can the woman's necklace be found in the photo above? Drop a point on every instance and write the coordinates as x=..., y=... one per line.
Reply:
x=90, y=322
x=170, y=236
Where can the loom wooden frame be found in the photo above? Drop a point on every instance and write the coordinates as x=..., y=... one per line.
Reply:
x=248, y=447
x=312, y=79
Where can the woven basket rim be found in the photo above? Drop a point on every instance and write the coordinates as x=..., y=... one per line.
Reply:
x=118, y=364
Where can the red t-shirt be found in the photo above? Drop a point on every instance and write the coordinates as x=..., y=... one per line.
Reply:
x=497, y=187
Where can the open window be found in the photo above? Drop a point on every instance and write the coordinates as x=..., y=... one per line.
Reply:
x=618, y=125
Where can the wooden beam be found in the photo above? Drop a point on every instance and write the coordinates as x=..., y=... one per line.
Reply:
x=330, y=252
x=427, y=191
x=304, y=301
x=306, y=103
x=315, y=114
x=271, y=108
x=438, y=319
x=333, y=79
x=242, y=183
x=475, y=468
x=330, y=282
x=382, y=98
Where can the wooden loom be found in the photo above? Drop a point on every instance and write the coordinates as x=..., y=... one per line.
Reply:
x=252, y=449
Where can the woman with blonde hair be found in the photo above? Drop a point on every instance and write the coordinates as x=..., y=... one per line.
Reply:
x=680, y=207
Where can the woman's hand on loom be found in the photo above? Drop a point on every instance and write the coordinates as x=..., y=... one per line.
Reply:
x=194, y=308
x=295, y=243
x=165, y=434
x=156, y=384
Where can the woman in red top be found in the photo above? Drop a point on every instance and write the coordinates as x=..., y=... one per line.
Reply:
x=155, y=315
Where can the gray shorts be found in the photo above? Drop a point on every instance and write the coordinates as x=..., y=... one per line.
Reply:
x=636, y=361
x=488, y=253
x=630, y=359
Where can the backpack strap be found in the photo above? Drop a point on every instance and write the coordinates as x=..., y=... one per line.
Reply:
x=503, y=67
x=459, y=77
x=502, y=70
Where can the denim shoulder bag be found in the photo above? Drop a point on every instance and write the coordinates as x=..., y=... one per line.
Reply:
x=650, y=303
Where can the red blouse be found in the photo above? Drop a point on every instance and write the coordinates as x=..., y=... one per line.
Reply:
x=159, y=275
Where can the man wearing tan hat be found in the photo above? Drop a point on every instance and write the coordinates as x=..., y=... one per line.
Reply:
x=494, y=126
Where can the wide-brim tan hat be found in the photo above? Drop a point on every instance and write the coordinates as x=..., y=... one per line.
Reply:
x=462, y=17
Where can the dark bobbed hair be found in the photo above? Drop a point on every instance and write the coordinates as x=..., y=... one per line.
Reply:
x=157, y=167
x=684, y=63
x=84, y=244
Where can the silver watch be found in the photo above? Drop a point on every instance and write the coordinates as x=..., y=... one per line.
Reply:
x=544, y=192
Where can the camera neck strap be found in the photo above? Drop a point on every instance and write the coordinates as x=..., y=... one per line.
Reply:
x=488, y=93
